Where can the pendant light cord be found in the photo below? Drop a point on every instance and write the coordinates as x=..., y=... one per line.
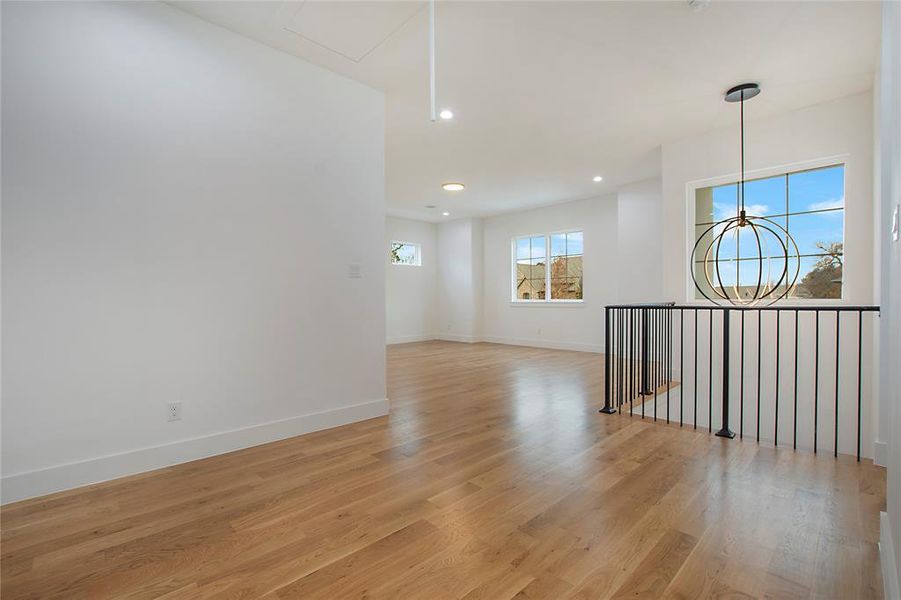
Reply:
x=432, y=101
x=742, y=106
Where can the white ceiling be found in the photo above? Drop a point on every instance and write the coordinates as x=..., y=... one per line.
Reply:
x=548, y=94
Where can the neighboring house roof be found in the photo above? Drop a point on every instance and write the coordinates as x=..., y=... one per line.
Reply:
x=532, y=276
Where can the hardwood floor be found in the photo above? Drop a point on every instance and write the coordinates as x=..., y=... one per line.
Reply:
x=494, y=477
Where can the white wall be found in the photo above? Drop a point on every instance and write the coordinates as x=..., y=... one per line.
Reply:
x=890, y=288
x=410, y=291
x=182, y=208
x=570, y=326
x=883, y=414
x=459, y=314
x=639, y=242
x=474, y=296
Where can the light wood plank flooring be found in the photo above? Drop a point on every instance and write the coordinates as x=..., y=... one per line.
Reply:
x=494, y=477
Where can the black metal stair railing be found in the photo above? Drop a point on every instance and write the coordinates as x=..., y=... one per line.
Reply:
x=644, y=357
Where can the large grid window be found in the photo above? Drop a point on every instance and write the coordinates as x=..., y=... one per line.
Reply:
x=532, y=279
x=809, y=204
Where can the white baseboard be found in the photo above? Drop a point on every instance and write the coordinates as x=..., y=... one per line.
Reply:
x=880, y=453
x=407, y=339
x=30, y=484
x=553, y=345
x=452, y=337
x=887, y=558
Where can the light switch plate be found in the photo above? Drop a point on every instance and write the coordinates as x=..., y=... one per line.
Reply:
x=895, y=218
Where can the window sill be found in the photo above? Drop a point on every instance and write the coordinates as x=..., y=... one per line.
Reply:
x=552, y=304
x=801, y=303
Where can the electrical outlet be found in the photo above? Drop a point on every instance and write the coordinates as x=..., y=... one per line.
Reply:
x=173, y=412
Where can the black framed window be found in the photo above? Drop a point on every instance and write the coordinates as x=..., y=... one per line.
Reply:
x=809, y=204
x=548, y=267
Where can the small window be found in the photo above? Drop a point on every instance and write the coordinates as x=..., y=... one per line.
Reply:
x=809, y=204
x=405, y=253
x=534, y=282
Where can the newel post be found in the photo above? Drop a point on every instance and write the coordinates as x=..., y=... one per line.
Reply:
x=608, y=385
x=724, y=430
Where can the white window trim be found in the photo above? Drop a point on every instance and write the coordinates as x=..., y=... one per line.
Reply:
x=418, y=254
x=690, y=193
x=560, y=302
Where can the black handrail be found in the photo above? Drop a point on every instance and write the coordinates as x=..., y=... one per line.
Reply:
x=781, y=307
x=639, y=360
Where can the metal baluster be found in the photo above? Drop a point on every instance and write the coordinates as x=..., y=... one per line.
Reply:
x=759, y=354
x=710, y=373
x=816, y=378
x=652, y=340
x=778, y=345
x=643, y=384
x=630, y=364
x=660, y=346
x=631, y=397
x=859, y=375
x=741, y=388
x=647, y=346
x=669, y=357
x=614, y=362
x=795, y=417
x=634, y=347
x=619, y=359
x=696, y=370
x=657, y=341
x=638, y=351
x=621, y=333
x=681, y=365
x=838, y=322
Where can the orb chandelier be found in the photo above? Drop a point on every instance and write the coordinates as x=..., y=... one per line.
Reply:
x=770, y=255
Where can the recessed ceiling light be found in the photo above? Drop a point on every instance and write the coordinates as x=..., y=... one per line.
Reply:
x=597, y=178
x=446, y=214
x=446, y=114
x=452, y=186
x=430, y=206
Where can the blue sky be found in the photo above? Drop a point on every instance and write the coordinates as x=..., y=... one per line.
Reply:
x=816, y=190
x=807, y=191
x=562, y=244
